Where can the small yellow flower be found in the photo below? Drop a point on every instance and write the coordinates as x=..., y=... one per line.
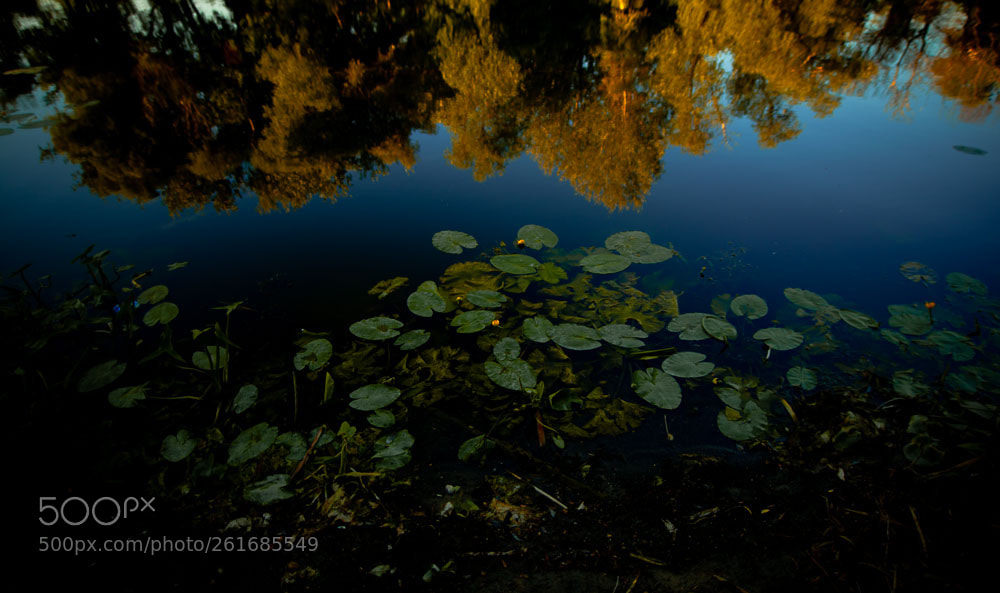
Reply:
x=715, y=381
x=496, y=323
x=520, y=243
x=930, y=304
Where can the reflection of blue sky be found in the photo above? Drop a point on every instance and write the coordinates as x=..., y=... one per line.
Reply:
x=835, y=210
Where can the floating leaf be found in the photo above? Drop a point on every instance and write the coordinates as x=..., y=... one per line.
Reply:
x=252, y=442
x=687, y=364
x=605, y=263
x=801, y=377
x=536, y=237
x=750, y=306
x=718, y=328
x=270, y=489
x=657, y=388
x=453, y=241
x=425, y=300
x=627, y=241
x=551, y=273
x=127, y=397
x=805, y=298
x=387, y=287
x=745, y=425
x=176, y=266
x=381, y=419
x=910, y=320
x=904, y=383
x=918, y=272
x=779, y=338
x=314, y=355
x=537, y=329
x=376, y=328
x=689, y=325
x=959, y=282
x=177, y=447
x=393, y=445
x=213, y=357
x=649, y=254
x=732, y=397
x=969, y=150
x=895, y=337
x=858, y=320
x=412, y=339
x=245, y=397
x=6, y=131
x=575, y=337
x=163, y=313
x=516, y=263
x=153, y=295
x=473, y=321
x=101, y=375
x=373, y=396
x=464, y=277
x=296, y=445
x=474, y=448
x=506, y=350
x=622, y=335
x=40, y=123
x=516, y=374
x=489, y=299
x=952, y=344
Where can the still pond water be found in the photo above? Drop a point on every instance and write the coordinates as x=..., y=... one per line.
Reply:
x=295, y=156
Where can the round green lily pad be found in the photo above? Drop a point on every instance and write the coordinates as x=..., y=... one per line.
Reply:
x=245, y=397
x=536, y=237
x=163, y=313
x=575, y=337
x=801, y=377
x=745, y=425
x=412, y=339
x=506, y=350
x=473, y=321
x=513, y=374
x=453, y=241
x=750, y=306
x=915, y=271
x=537, y=329
x=177, y=447
x=858, y=320
x=426, y=300
x=374, y=396
x=963, y=283
x=687, y=364
x=516, y=263
x=805, y=298
x=153, y=295
x=622, y=335
x=269, y=490
x=101, y=375
x=127, y=397
x=689, y=325
x=627, y=241
x=314, y=355
x=657, y=388
x=779, y=338
x=376, y=328
x=649, y=254
x=718, y=328
x=488, y=299
x=212, y=357
x=252, y=442
x=605, y=263
x=381, y=419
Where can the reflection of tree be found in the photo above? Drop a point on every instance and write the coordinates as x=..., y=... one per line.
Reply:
x=292, y=99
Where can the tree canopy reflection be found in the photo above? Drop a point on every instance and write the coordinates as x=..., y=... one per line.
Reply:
x=294, y=99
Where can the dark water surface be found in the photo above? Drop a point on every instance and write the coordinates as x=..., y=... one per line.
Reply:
x=297, y=153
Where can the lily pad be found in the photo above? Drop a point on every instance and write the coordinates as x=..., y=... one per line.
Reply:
x=605, y=263
x=718, y=328
x=453, y=241
x=177, y=447
x=488, y=299
x=474, y=448
x=687, y=364
x=575, y=337
x=657, y=388
x=627, y=242
x=269, y=490
x=905, y=384
x=374, y=396
x=212, y=357
x=909, y=320
x=297, y=446
x=801, y=377
x=473, y=321
x=857, y=320
x=537, y=329
x=506, y=350
x=387, y=287
x=894, y=337
x=750, y=306
x=622, y=335
x=6, y=131
x=963, y=283
x=381, y=419
x=127, y=397
x=689, y=326
x=412, y=339
x=101, y=375
x=536, y=237
x=394, y=445
x=918, y=272
x=376, y=328
x=742, y=426
x=245, y=397
x=805, y=298
x=252, y=442
x=426, y=300
x=163, y=313
x=314, y=355
x=516, y=263
x=515, y=374
x=649, y=254
x=551, y=273
x=153, y=295
x=779, y=338
x=969, y=150
x=952, y=344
